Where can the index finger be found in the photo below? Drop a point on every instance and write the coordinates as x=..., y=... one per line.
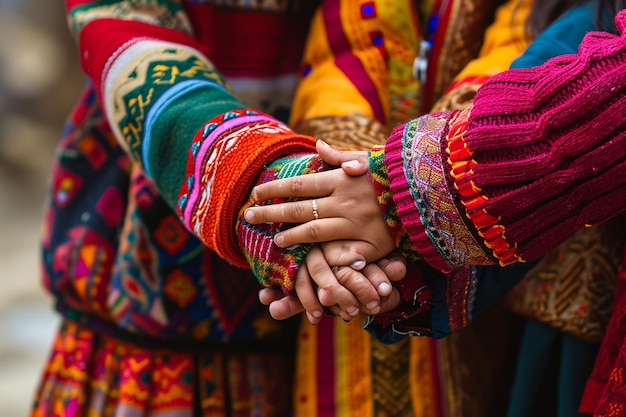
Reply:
x=310, y=185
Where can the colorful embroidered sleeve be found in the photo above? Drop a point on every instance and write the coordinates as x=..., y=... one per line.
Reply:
x=358, y=59
x=273, y=266
x=539, y=155
x=175, y=115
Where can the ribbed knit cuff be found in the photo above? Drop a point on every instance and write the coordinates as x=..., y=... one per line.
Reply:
x=224, y=160
x=405, y=204
x=380, y=179
x=276, y=267
x=421, y=190
x=545, y=149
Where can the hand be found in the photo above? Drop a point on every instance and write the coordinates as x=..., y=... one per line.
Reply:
x=353, y=163
x=337, y=291
x=349, y=209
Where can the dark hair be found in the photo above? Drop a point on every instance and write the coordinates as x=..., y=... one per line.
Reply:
x=544, y=12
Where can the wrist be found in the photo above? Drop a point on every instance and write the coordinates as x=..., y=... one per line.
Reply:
x=379, y=177
x=412, y=316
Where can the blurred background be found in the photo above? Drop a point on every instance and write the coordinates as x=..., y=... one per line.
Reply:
x=39, y=82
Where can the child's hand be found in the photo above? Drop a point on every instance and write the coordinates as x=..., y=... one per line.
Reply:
x=344, y=208
x=344, y=291
x=367, y=284
x=352, y=162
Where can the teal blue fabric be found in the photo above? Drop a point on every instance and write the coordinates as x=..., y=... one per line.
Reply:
x=176, y=120
x=494, y=282
x=551, y=373
x=562, y=37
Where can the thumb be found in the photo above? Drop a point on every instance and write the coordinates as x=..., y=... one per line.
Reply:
x=353, y=162
x=394, y=266
x=353, y=253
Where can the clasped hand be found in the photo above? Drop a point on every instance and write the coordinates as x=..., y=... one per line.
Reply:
x=339, y=210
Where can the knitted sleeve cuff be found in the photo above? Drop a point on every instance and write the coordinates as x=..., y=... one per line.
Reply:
x=544, y=151
x=380, y=179
x=224, y=159
x=274, y=266
x=426, y=203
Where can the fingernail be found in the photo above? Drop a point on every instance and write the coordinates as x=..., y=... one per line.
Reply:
x=279, y=240
x=384, y=288
x=317, y=314
x=353, y=311
x=358, y=265
x=248, y=215
x=345, y=316
x=372, y=307
x=351, y=164
x=324, y=143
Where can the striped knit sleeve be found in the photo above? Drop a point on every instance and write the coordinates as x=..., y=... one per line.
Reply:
x=539, y=155
x=174, y=114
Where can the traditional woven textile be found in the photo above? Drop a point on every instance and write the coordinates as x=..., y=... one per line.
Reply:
x=605, y=393
x=274, y=266
x=224, y=160
x=572, y=288
x=364, y=50
x=352, y=131
x=524, y=163
x=116, y=256
x=92, y=374
x=503, y=41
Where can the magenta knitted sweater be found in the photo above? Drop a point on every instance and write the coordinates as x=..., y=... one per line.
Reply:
x=541, y=154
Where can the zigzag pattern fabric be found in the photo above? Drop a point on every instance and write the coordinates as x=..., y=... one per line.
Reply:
x=274, y=266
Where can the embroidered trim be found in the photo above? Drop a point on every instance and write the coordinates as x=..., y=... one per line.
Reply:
x=380, y=179
x=160, y=13
x=424, y=167
x=461, y=161
x=139, y=83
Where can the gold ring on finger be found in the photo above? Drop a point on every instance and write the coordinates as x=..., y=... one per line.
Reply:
x=316, y=215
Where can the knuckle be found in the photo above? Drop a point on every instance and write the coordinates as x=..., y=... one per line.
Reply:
x=298, y=211
x=316, y=268
x=314, y=231
x=296, y=184
x=365, y=293
x=343, y=276
x=332, y=287
x=349, y=277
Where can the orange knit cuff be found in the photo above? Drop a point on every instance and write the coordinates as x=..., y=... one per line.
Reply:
x=224, y=160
